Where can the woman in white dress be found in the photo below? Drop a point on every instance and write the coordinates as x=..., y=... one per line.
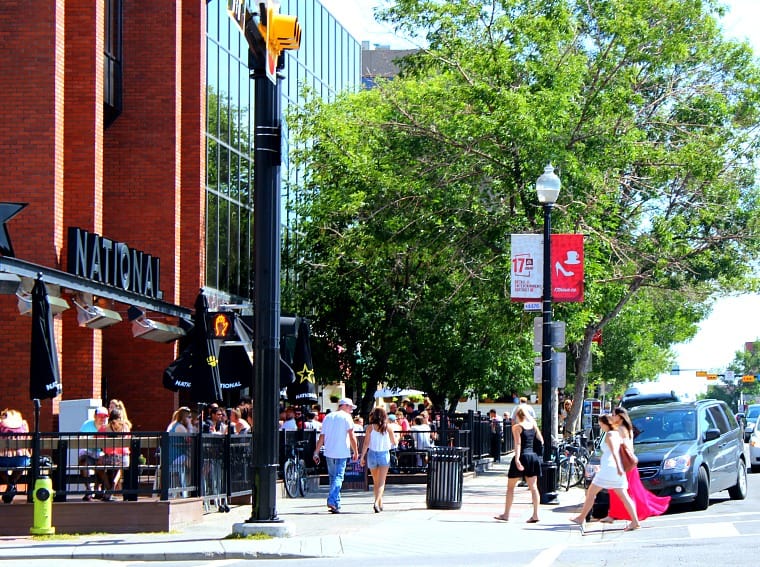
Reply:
x=610, y=476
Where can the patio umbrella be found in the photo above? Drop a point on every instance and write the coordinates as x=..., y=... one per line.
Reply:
x=397, y=393
x=44, y=376
x=303, y=390
x=197, y=367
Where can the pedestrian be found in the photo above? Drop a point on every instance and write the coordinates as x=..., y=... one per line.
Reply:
x=90, y=457
x=339, y=441
x=119, y=405
x=12, y=460
x=178, y=460
x=237, y=424
x=610, y=476
x=376, y=452
x=647, y=504
x=525, y=463
x=497, y=425
x=116, y=454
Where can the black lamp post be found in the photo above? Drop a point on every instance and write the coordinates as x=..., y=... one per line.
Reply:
x=547, y=188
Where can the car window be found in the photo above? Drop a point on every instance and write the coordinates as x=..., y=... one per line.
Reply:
x=753, y=413
x=732, y=422
x=655, y=427
x=706, y=422
x=720, y=419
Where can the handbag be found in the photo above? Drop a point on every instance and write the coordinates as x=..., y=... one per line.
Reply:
x=627, y=457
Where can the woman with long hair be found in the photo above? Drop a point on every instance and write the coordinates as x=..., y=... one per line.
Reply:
x=525, y=463
x=647, y=504
x=376, y=452
x=115, y=453
x=12, y=422
x=119, y=405
x=610, y=476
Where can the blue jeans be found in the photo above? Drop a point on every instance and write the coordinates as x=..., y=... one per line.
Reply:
x=336, y=468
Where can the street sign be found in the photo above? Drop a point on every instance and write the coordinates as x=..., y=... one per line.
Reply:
x=729, y=375
x=557, y=334
x=748, y=378
x=532, y=306
x=559, y=374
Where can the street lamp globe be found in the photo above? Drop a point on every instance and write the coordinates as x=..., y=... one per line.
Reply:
x=548, y=186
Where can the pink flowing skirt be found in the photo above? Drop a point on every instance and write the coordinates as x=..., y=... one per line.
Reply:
x=647, y=504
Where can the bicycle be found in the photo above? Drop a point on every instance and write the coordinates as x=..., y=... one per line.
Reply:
x=295, y=475
x=572, y=457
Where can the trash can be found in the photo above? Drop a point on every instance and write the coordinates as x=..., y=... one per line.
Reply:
x=549, y=482
x=445, y=478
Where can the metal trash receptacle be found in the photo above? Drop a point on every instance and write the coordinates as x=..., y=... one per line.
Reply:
x=445, y=478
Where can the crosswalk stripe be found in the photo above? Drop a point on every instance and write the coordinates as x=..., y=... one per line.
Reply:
x=547, y=557
x=715, y=529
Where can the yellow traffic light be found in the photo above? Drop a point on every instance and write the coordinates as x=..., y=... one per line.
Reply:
x=281, y=31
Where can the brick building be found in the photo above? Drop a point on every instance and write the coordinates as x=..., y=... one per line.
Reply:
x=112, y=119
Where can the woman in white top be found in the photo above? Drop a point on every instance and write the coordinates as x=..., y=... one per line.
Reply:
x=610, y=476
x=376, y=452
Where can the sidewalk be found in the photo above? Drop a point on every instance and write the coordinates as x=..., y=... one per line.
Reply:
x=353, y=533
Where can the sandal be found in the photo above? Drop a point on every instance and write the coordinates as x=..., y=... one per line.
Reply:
x=607, y=520
x=532, y=521
x=630, y=527
x=576, y=521
x=501, y=518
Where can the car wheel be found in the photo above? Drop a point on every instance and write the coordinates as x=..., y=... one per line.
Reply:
x=739, y=490
x=702, y=500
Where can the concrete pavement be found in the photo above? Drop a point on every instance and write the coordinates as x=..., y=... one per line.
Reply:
x=356, y=532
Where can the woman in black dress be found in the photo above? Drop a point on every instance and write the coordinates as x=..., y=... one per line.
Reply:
x=525, y=463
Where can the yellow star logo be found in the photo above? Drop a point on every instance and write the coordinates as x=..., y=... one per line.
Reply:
x=307, y=374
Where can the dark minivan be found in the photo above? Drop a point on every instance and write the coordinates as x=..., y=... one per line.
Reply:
x=689, y=450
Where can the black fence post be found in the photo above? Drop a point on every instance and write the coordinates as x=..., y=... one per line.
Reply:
x=60, y=485
x=165, y=466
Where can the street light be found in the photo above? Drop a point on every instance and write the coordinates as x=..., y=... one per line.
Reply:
x=547, y=188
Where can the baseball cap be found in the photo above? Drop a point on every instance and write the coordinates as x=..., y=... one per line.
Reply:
x=101, y=411
x=346, y=402
x=392, y=416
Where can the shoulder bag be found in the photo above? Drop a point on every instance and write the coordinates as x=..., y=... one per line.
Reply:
x=627, y=457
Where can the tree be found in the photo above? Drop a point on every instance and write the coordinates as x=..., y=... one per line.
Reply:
x=394, y=263
x=746, y=363
x=414, y=187
x=651, y=115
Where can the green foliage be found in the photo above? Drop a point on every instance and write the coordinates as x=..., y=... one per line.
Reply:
x=413, y=189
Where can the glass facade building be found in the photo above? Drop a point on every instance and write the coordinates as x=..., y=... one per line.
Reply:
x=328, y=62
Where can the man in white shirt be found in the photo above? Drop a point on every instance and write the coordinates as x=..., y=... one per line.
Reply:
x=338, y=439
x=290, y=423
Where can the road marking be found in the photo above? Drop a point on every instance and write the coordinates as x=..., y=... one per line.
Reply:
x=547, y=557
x=716, y=529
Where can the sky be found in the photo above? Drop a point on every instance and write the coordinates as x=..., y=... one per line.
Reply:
x=734, y=320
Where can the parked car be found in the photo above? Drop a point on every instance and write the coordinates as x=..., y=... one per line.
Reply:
x=689, y=450
x=753, y=412
x=633, y=398
x=754, y=448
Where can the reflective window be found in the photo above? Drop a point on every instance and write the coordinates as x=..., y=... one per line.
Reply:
x=328, y=60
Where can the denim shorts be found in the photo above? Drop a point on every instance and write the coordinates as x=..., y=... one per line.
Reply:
x=378, y=459
x=13, y=462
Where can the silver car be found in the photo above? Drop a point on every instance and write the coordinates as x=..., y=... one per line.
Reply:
x=753, y=412
x=754, y=447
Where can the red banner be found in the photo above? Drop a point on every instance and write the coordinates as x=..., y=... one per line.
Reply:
x=567, y=267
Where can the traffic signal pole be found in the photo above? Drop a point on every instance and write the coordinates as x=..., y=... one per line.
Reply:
x=267, y=36
x=266, y=300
